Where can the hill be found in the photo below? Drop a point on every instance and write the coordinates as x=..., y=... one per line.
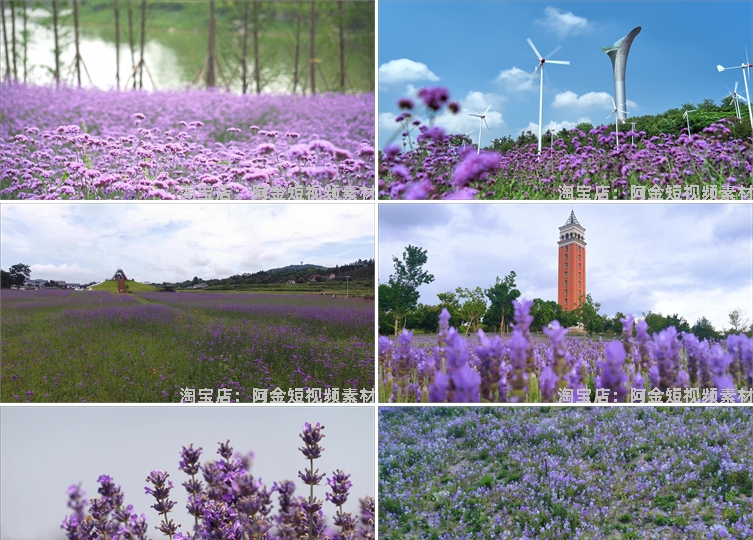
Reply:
x=132, y=286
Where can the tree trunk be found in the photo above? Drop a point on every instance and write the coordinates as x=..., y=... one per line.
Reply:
x=257, y=75
x=298, y=20
x=117, y=45
x=244, y=60
x=312, y=54
x=57, y=40
x=5, y=40
x=211, y=78
x=342, y=45
x=26, y=40
x=13, y=36
x=502, y=326
x=75, y=30
x=397, y=322
x=130, y=41
x=143, y=34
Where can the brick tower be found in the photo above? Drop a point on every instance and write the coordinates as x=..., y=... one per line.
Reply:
x=571, y=275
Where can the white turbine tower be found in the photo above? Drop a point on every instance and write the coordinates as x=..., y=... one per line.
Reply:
x=542, y=61
x=632, y=128
x=482, y=121
x=464, y=135
x=686, y=116
x=736, y=100
x=616, y=122
x=745, y=68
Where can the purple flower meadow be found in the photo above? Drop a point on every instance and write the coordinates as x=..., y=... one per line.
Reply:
x=522, y=368
x=435, y=166
x=71, y=143
x=551, y=473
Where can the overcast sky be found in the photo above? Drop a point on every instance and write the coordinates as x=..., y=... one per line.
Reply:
x=478, y=50
x=46, y=449
x=691, y=259
x=82, y=242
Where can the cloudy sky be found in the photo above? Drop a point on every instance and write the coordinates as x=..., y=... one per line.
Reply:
x=479, y=51
x=80, y=243
x=47, y=449
x=691, y=259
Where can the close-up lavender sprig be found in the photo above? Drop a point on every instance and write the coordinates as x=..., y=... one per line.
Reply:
x=230, y=505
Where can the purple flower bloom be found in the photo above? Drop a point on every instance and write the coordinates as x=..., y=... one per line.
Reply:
x=473, y=166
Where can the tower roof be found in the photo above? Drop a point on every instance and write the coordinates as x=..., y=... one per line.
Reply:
x=572, y=220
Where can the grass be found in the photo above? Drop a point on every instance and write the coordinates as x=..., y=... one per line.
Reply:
x=65, y=346
x=132, y=286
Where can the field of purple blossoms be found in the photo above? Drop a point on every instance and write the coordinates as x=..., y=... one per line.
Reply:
x=522, y=369
x=230, y=504
x=70, y=143
x=551, y=473
x=447, y=166
x=73, y=346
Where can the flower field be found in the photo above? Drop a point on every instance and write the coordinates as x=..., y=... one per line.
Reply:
x=565, y=472
x=65, y=346
x=521, y=368
x=70, y=143
x=440, y=165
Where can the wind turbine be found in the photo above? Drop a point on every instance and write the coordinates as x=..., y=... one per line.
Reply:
x=632, y=128
x=686, y=116
x=464, y=135
x=745, y=68
x=736, y=100
x=540, y=67
x=482, y=121
x=616, y=122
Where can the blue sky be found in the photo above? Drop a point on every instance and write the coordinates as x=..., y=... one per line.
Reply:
x=691, y=259
x=80, y=243
x=479, y=51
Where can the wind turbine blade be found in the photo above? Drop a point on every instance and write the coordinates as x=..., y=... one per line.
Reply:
x=557, y=48
x=720, y=68
x=563, y=62
x=614, y=105
x=610, y=114
x=741, y=97
x=487, y=110
x=487, y=125
x=735, y=87
x=538, y=54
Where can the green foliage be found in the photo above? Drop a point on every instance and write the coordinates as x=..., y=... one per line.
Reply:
x=703, y=329
x=19, y=273
x=501, y=295
x=544, y=312
x=473, y=306
x=666, y=502
x=402, y=289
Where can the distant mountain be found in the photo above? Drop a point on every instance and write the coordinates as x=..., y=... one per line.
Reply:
x=295, y=267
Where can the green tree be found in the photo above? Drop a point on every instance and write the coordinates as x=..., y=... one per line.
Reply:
x=739, y=324
x=703, y=329
x=654, y=321
x=680, y=324
x=544, y=312
x=501, y=295
x=404, y=283
x=588, y=315
x=19, y=273
x=449, y=301
x=5, y=281
x=473, y=306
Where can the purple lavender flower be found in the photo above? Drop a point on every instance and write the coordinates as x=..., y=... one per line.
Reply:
x=473, y=166
x=434, y=98
x=612, y=375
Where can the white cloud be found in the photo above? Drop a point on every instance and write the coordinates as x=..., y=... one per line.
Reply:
x=571, y=100
x=475, y=103
x=515, y=80
x=563, y=23
x=404, y=71
x=533, y=127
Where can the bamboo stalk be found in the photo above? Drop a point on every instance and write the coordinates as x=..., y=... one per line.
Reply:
x=312, y=55
x=244, y=60
x=143, y=33
x=78, y=55
x=117, y=45
x=5, y=40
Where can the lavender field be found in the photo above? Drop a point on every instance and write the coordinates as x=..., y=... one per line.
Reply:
x=555, y=473
x=66, y=346
x=69, y=143
x=667, y=366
